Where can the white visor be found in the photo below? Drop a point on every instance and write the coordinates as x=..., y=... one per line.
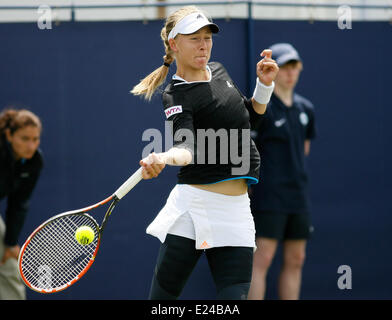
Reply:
x=191, y=23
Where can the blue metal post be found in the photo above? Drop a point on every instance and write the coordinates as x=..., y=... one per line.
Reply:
x=251, y=74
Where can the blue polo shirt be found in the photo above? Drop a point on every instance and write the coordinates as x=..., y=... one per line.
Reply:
x=280, y=135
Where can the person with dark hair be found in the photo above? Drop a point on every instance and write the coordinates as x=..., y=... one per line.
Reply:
x=208, y=210
x=20, y=167
x=280, y=202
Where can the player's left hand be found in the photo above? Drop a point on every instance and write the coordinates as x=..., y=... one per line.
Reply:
x=267, y=68
x=152, y=166
x=10, y=252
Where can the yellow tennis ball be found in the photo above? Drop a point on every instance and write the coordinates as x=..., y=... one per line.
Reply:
x=84, y=235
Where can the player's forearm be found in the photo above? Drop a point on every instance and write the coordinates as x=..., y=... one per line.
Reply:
x=177, y=157
x=307, y=147
x=258, y=107
x=14, y=222
x=262, y=95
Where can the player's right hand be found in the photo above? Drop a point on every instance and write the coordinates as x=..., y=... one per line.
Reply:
x=152, y=166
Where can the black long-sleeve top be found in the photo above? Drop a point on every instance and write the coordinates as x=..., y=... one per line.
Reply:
x=213, y=106
x=17, y=181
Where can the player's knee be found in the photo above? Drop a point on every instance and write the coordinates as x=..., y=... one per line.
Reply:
x=295, y=259
x=157, y=292
x=238, y=291
x=232, y=271
x=263, y=259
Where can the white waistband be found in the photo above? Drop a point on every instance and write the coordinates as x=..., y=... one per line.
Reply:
x=186, y=188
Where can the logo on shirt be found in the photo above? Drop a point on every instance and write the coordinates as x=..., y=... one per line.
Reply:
x=303, y=118
x=279, y=123
x=204, y=245
x=173, y=110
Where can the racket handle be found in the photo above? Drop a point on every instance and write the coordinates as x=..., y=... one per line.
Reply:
x=132, y=181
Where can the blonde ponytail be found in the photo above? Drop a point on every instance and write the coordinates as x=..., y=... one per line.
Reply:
x=155, y=79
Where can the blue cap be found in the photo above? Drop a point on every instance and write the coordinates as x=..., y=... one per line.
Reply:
x=283, y=53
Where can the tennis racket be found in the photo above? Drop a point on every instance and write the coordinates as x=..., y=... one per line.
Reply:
x=51, y=259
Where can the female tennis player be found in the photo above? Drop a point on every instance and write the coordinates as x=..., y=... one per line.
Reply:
x=208, y=209
x=20, y=167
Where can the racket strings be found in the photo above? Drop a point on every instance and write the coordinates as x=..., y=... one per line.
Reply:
x=53, y=257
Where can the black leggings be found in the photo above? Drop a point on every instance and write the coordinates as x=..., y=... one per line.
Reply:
x=231, y=269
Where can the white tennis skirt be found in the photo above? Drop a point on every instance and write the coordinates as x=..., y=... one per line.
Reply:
x=209, y=218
